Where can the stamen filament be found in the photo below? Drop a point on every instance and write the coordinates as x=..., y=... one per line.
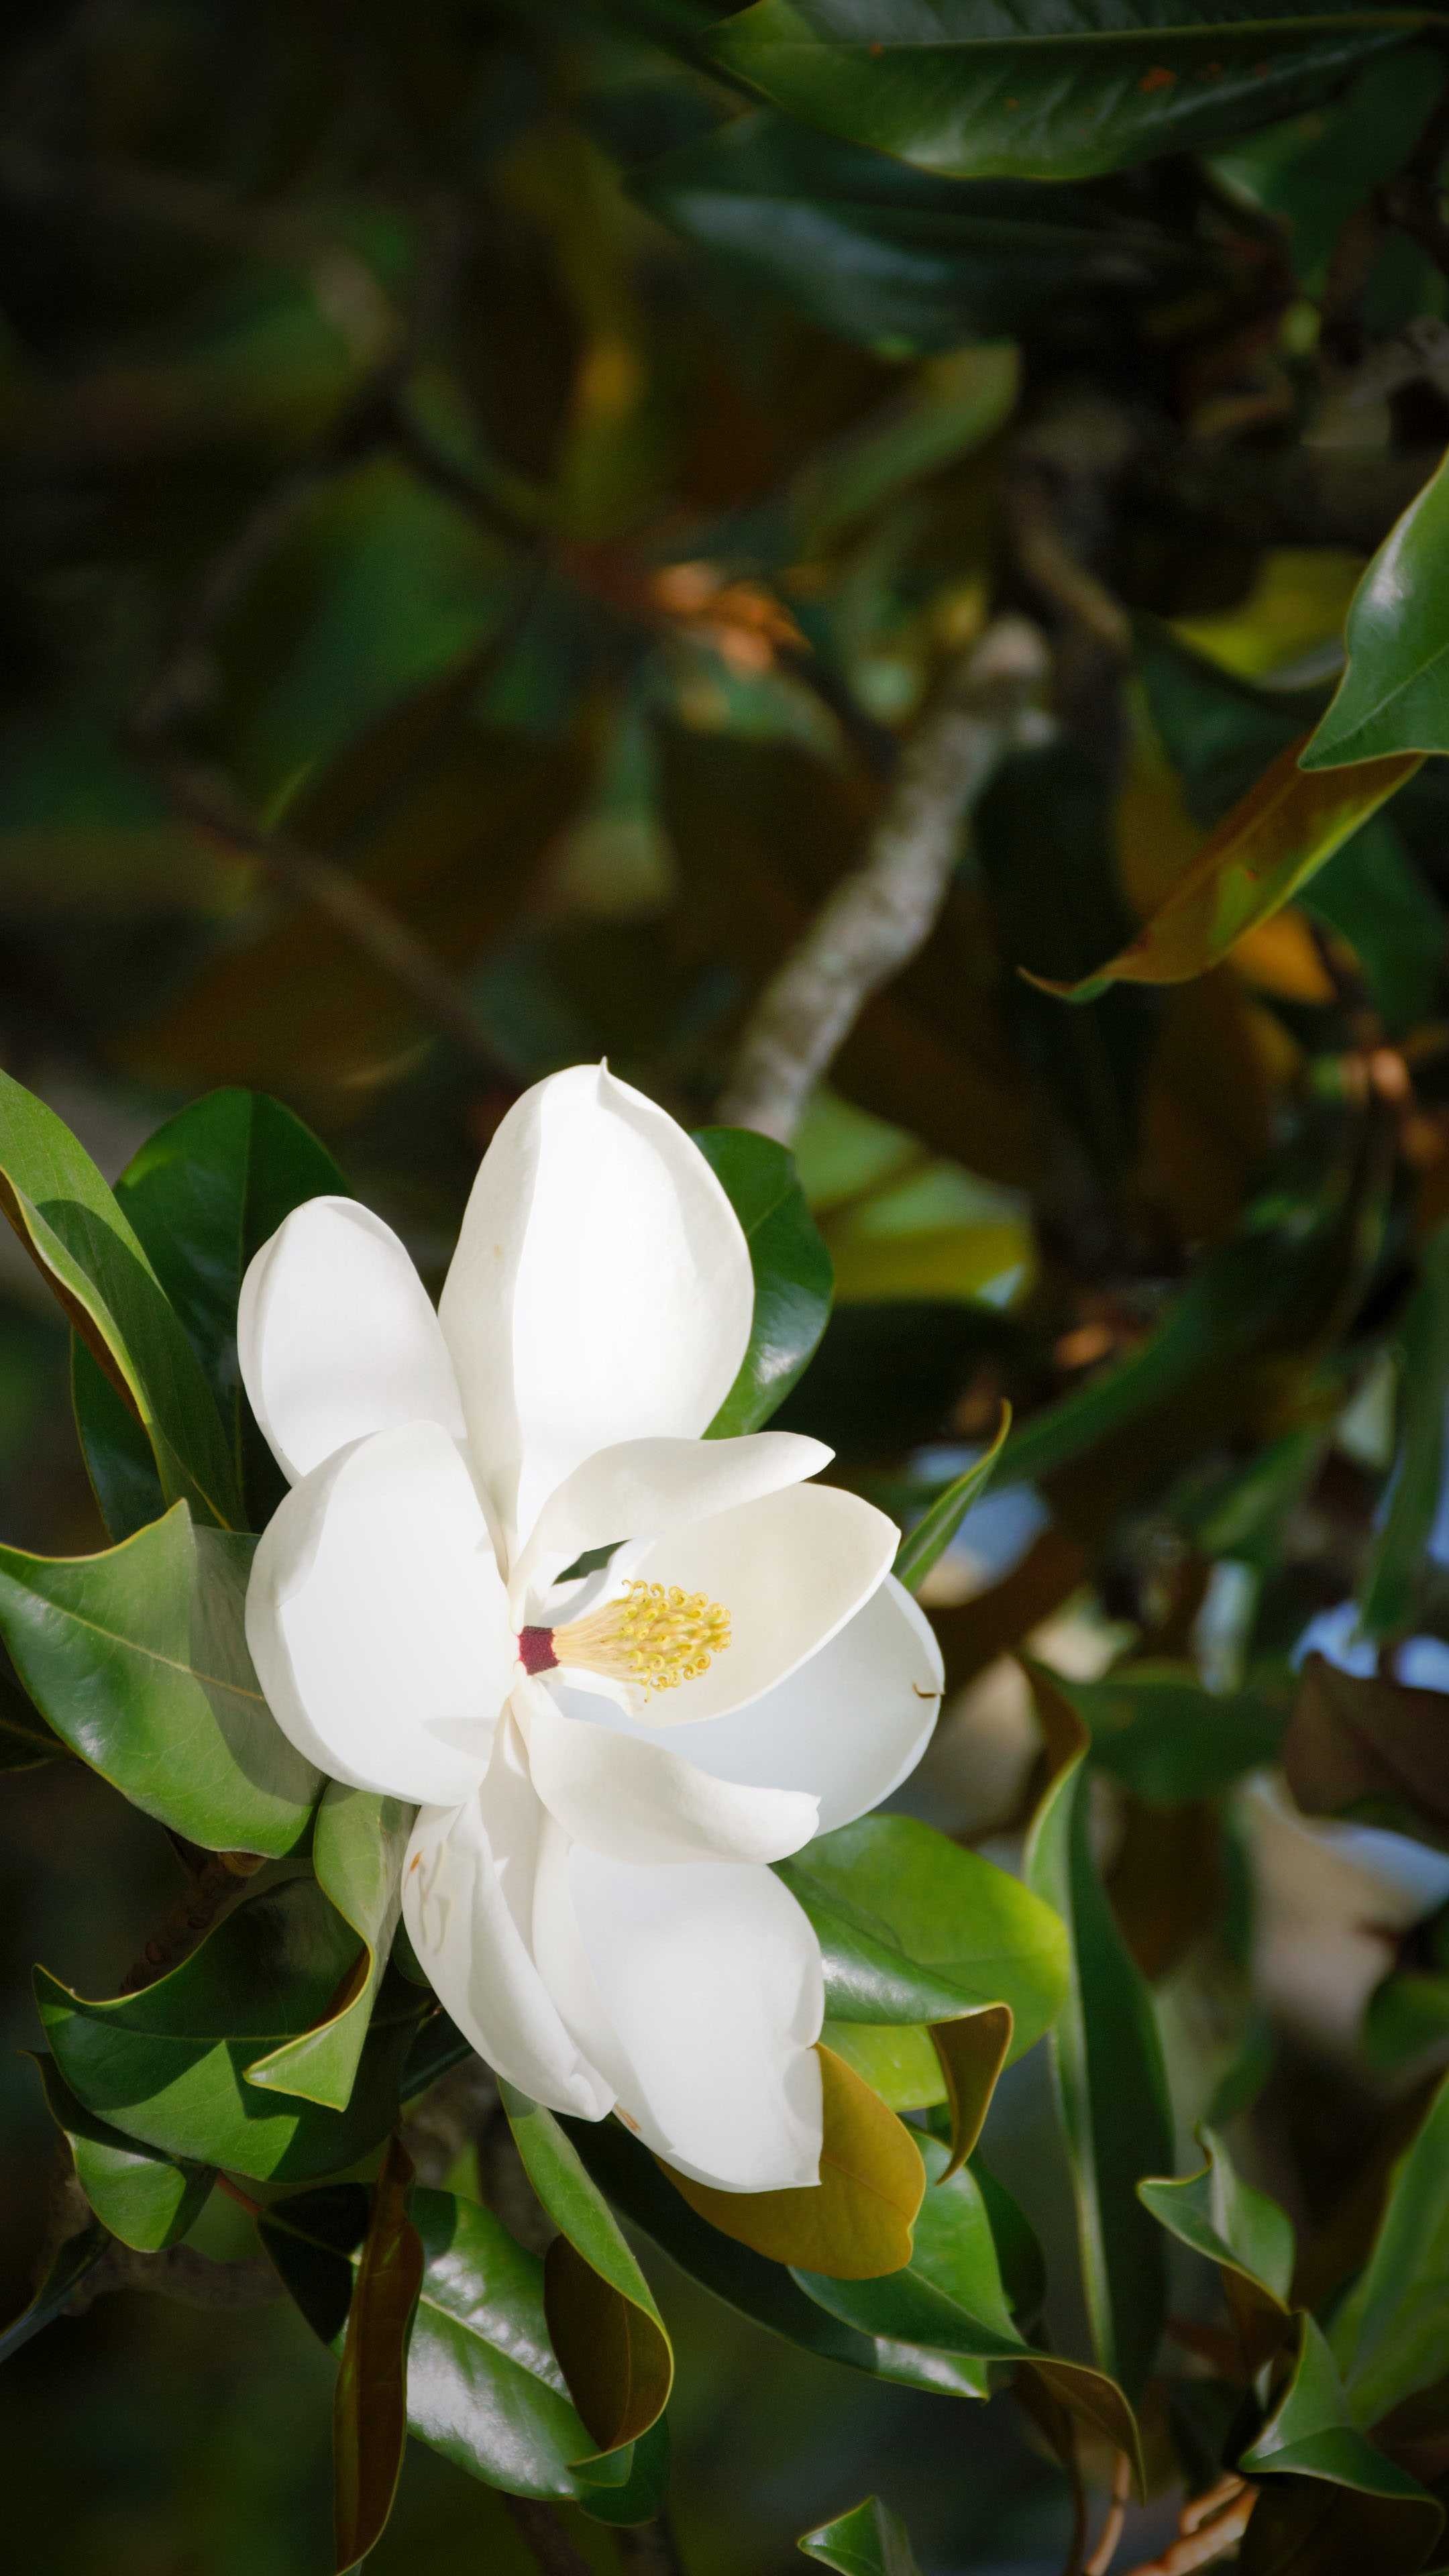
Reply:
x=654, y=1636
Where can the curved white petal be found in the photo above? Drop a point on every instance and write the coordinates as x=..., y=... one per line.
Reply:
x=640, y=1487
x=336, y=1336
x=601, y=1289
x=849, y=1725
x=703, y=1985
x=642, y=1803
x=377, y=1618
x=468, y=1894
x=790, y=1569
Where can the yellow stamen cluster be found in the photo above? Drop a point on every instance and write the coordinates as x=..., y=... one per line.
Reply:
x=655, y=1636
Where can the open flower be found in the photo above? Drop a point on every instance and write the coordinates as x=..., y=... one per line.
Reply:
x=605, y=1761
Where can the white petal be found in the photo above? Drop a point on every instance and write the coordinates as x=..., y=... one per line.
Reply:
x=337, y=1338
x=849, y=1725
x=377, y=1618
x=640, y=1487
x=601, y=1289
x=710, y=1978
x=790, y=1569
x=468, y=1889
x=643, y=1803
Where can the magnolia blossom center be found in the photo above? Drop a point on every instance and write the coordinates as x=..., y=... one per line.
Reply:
x=654, y=1636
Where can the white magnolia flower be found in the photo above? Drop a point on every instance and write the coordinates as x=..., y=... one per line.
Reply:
x=604, y=1764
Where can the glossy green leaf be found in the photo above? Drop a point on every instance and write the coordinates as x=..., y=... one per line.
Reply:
x=643, y=2492
x=895, y=257
x=607, y=2332
x=119, y=1459
x=169, y=2065
x=76, y=2257
x=911, y=1924
x=147, y=2199
x=924, y=1545
x=81, y=1241
x=974, y=88
x=1244, y=2232
x=203, y=1195
x=358, y=1843
x=1394, y=696
x=483, y=2386
x=1389, y=1591
x=369, y=2412
x=1156, y=1729
x=1386, y=2520
x=746, y=2281
x=1107, y=2059
x=793, y=1278
x=1286, y=827
x=870, y=2540
x=138, y=1659
x=1391, y=2335
x=950, y=2298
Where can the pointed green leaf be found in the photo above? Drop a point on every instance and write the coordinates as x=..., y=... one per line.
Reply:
x=147, y=2199
x=1107, y=2059
x=1386, y=2520
x=80, y=1239
x=924, y=1545
x=138, y=1659
x=979, y=88
x=1242, y=2231
x=868, y=2541
x=1157, y=1730
x=606, y=2330
x=169, y=2064
x=793, y=1278
x=1391, y=2336
x=358, y=1843
x=1394, y=696
x=483, y=2386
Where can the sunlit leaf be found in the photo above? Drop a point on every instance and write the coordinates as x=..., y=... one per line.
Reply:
x=358, y=1843
x=793, y=1280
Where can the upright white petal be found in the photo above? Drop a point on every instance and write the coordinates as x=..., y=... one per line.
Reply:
x=468, y=1895
x=790, y=1569
x=641, y=1487
x=337, y=1337
x=703, y=1992
x=644, y=1803
x=849, y=1725
x=378, y=1621
x=601, y=1289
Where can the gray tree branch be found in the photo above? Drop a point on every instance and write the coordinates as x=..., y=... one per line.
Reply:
x=880, y=915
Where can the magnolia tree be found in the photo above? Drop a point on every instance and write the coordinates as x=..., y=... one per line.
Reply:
x=882, y=568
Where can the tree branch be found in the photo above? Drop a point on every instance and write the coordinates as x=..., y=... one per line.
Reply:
x=1209, y=2527
x=540, y=2527
x=879, y=916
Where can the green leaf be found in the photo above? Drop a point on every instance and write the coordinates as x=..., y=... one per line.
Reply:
x=483, y=2386
x=358, y=1843
x=119, y=1458
x=77, y=2256
x=1247, y=2235
x=1107, y=2059
x=925, y=1544
x=793, y=1280
x=977, y=88
x=911, y=1924
x=204, y=1194
x=870, y=2540
x=604, y=2326
x=1386, y=2521
x=147, y=2199
x=1258, y=858
x=169, y=2065
x=1394, y=696
x=138, y=1659
x=748, y=2282
x=80, y=1240
x=369, y=2412
x=1156, y=1729
x=1389, y=1591
x=950, y=2298
x=643, y=2492
x=894, y=257
x=1391, y=2336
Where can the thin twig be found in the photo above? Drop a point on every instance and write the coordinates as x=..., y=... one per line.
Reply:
x=650, y=2548
x=540, y=2527
x=879, y=916
x=1208, y=2530
x=180, y=2272
x=1111, y=2531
